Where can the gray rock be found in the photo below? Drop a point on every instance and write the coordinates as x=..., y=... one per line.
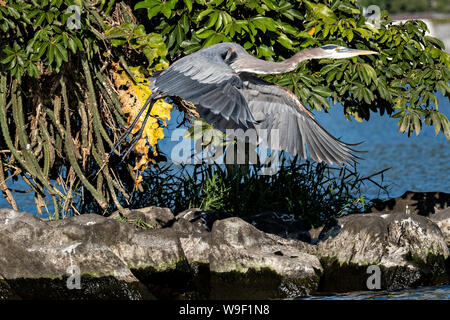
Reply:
x=190, y=214
x=442, y=219
x=409, y=250
x=191, y=221
x=194, y=241
x=155, y=217
x=155, y=256
x=247, y=263
x=120, y=261
x=38, y=257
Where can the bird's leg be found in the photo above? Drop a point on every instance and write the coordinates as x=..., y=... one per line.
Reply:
x=141, y=131
x=151, y=99
x=127, y=132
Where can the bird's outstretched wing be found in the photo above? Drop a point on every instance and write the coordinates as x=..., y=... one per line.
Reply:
x=206, y=80
x=276, y=108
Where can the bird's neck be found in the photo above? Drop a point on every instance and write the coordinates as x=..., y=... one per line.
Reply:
x=305, y=54
x=258, y=66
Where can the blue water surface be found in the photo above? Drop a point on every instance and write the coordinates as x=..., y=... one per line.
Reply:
x=417, y=163
x=421, y=293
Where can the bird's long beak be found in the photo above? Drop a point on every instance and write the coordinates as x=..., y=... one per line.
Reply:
x=357, y=52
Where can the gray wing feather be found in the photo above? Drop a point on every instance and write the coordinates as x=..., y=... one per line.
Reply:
x=277, y=108
x=206, y=80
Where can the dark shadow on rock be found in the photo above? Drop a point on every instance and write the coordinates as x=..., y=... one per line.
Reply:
x=284, y=225
x=447, y=267
x=201, y=219
x=254, y=285
x=183, y=282
x=341, y=277
x=330, y=229
x=422, y=203
x=91, y=288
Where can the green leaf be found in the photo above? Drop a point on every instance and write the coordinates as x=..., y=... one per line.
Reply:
x=212, y=19
x=265, y=23
x=436, y=121
x=154, y=11
x=213, y=39
x=50, y=53
x=285, y=41
x=323, y=91
x=265, y=51
x=404, y=123
x=147, y=4
x=72, y=46
x=62, y=52
x=179, y=34
x=166, y=11
x=445, y=126
x=294, y=13
x=205, y=33
x=417, y=123
x=362, y=72
x=185, y=23
x=321, y=11
x=203, y=14
x=437, y=42
x=188, y=4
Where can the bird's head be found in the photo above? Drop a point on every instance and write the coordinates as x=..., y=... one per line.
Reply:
x=337, y=52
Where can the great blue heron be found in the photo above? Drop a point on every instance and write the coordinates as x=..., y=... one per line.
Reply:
x=219, y=80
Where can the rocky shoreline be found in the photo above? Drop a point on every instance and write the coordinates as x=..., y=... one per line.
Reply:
x=209, y=255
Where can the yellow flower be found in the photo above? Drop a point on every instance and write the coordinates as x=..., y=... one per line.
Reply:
x=311, y=31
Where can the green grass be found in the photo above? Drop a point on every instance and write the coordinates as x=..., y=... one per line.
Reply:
x=315, y=192
x=138, y=222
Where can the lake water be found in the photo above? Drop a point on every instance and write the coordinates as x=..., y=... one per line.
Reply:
x=418, y=163
x=422, y=293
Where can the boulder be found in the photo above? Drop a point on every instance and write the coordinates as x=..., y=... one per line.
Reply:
x=194, y=241
x=42, y=260
x=152, y=217
x=442, y=219
x=155, y=256
x=330, y=229
x=246, y=263
x=409, y=250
